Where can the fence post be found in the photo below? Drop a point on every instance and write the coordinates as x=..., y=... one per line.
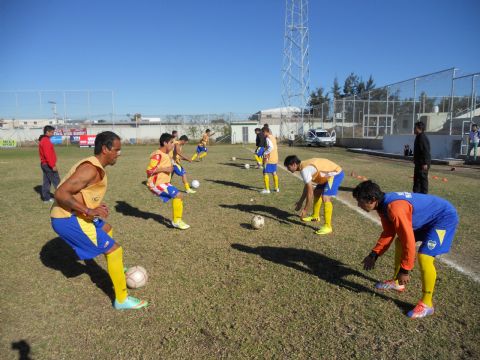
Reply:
x=451, y=101
x=414, y=99
x=353, y=118
x=343, y=115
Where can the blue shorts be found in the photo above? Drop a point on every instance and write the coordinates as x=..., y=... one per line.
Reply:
x=166, y=192
x=330, y=188
x=87, y=238
x=201, y=149
x=259, y=151
x=178, y=169
x=437, y=238
x=270, y=168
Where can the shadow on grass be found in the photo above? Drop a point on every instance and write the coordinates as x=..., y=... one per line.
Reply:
x=126, y=209
x=235, y=184
x=58, y=255
x=325, y=268
x=23, y=349
x=282, y=216
x=240, y=166
x=346, y=188
x=38, y=190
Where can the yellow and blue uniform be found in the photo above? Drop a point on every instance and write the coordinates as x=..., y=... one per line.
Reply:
x=328, y=177
x=159, y=183
x=85, y=236
x=202, y=145
x=177, y=168
x=271, y=155
x=415, y=217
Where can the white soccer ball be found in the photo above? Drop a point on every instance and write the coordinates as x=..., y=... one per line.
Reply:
x=136, y=277
x=258, y=222
x=247, y=166
x=234, y=158
x=195, y=184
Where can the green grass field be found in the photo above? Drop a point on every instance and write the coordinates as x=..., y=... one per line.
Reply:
x=221, y=289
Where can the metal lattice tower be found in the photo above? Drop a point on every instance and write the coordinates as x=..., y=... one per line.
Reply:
x=295, y=71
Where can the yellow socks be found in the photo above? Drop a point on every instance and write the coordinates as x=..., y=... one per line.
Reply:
x=194, y=156
x=275, y=181
x=429, y=276
x=317, y=204
x=115, y=270
x=266, y=180
x=110, y=233
x=258, y=159
x=187, y=186
x=328, y=208
x=202, y=155
x=177, y=206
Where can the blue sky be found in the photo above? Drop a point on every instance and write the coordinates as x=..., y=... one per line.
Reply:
x=212, y=56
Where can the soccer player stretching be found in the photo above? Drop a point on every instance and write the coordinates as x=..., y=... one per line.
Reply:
x=328, y=176
x=270, y=160
x=78, y=212
x=202, y=146
x=412, y=217
x=159, y=173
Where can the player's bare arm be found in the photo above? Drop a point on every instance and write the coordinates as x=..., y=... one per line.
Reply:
x=68, y=194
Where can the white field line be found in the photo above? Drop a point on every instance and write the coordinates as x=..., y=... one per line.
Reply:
x=370, y=216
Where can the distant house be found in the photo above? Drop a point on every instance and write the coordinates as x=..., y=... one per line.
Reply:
x=276, y=115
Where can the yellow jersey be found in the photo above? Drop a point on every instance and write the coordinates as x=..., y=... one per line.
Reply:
x=158, y=159
x=325, y=169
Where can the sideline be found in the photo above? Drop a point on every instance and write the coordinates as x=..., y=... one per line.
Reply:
x=442, y=258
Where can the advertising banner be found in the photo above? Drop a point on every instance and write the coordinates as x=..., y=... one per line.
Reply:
x=8, y=143
x=87, y=140
x=56, y=139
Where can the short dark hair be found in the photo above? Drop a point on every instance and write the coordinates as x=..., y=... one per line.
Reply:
x=164, y=138
x=105, y=138
x=184, y=138
x=266, y=129
x=208, y=130
x=420, y=125
x=258, y=129
x=265, y=125
x=474, y=125
x=368, y=191
x=47, y=129
x=291, y=159
x=174, y=132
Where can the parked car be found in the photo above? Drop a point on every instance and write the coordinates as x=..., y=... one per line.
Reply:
x=320, y=137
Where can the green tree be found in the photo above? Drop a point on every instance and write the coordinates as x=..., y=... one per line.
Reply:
x=350, y=86
x=336, y=89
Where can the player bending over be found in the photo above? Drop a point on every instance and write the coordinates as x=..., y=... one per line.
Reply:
x=78, y=215
x=412, y=217
x=159, y=174
x=260, y=143
x=270, y=160
x=202, y=146
x=328, y=176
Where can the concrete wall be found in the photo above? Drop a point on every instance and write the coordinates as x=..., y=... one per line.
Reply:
x=374, y=144
x=441, y=146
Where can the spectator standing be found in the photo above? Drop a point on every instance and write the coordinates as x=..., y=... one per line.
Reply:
x=421, y=158
x=473, y=140
x=48, y=163
x=291, y=139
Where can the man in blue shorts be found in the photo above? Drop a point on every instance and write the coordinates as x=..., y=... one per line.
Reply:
x=413, y=217
x=78, y=212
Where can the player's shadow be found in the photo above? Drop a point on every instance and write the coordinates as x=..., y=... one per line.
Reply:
x=346, y=188
x=234, y=184
x=325, y=268
x=125, y=208
x=23, y=349
x=56, y=254
x=241, y=166
x=282, y=216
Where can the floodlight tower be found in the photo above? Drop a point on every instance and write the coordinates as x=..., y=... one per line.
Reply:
x=295, y=71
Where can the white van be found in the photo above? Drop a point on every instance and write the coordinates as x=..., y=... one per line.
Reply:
x=320, y=137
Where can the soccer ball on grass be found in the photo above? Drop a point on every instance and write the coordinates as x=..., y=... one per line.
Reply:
x=258, y=222
x=136, y=277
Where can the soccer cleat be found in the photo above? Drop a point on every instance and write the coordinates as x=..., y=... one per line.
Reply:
x=180, y=225
x=265, y=191
x=310, y=218
x=48, y=201
x=277, y=190
x=324, y=230
x=130, y=303
x=389, y=285
x=190, y=191
x=420, y=311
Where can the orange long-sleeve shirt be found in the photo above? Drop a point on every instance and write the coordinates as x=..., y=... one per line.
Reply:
x=398, y=222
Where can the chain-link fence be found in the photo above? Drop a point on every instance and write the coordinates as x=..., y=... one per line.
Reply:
x=445, y=103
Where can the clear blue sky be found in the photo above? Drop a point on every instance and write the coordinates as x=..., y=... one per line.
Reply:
x=197, y=56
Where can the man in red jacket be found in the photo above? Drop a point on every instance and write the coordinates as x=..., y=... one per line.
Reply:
x=48, y=162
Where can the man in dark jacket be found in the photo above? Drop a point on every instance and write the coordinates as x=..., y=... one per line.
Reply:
x=48, y=163
x=421, y=158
